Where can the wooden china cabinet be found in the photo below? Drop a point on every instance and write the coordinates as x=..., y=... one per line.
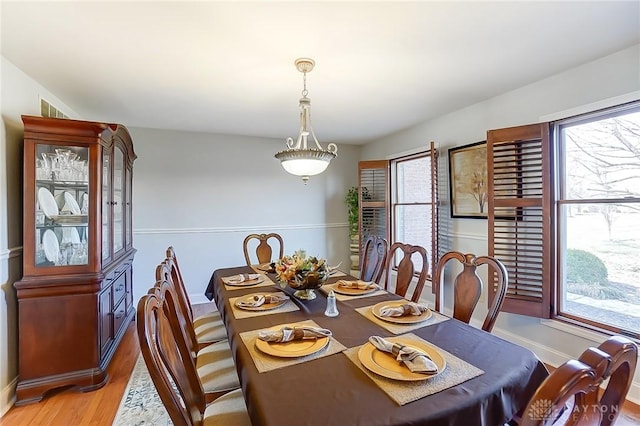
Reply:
x=75, y=298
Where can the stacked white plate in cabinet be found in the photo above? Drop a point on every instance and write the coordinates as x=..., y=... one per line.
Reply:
x=70, y=235
x=47, y=202
x=67, y=203
x=50, y=245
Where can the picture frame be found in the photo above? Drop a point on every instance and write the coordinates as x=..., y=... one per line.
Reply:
x=468, y=181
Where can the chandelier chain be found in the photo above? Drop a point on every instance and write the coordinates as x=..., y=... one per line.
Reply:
x=305, y=92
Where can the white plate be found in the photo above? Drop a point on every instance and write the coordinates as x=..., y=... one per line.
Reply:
x=70, y=235
x=47, y=202
x=50, y=245
x=67, y=203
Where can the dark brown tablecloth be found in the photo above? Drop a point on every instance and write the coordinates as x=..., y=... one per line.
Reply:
x=333, y=391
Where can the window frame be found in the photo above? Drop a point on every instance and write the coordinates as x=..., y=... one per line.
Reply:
x=561, y=200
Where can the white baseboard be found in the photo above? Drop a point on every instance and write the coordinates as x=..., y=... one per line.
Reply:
x=8, y=397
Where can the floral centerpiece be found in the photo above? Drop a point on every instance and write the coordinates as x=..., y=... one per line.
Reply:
x=303, y=274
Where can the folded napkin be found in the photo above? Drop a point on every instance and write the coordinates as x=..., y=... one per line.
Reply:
x=240, y=278
x=416, y=360
x=260, y=299
x=409, y=308
x=360, y=285
x=267, y=267
x=287, y=334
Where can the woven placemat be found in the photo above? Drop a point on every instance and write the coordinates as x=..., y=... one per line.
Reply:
x=344, y=297
x=266, y=281
x=456, y=371
x=238, y=313
x=394, y=328
x=265, y=362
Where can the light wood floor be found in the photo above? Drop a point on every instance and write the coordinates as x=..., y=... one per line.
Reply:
x=98, y=408
x=70, y=407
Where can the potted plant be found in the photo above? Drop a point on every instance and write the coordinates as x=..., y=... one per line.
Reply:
x=351, y=199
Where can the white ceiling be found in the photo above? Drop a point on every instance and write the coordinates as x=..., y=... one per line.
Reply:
x=227, y=67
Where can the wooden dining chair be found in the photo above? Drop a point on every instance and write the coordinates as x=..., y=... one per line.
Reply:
x=549, y=406
x=207, y=328
x=621, y=356
x=374, y=254
x=175, y=380
x=214, y=363
x=467, y=286
x=401, y=256
x=264, y=251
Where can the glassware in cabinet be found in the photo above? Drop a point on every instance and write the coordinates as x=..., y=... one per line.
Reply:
x=62, y=182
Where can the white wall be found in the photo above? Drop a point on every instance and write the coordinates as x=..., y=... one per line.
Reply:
x=19, y=95
x=204, y=193
x=617, y=75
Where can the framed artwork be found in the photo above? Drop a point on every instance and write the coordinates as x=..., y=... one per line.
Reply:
x=468, y=180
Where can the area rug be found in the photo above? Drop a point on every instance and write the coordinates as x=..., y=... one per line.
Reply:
x=140, y=403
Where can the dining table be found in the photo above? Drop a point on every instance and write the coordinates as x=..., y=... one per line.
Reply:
x=482, y=379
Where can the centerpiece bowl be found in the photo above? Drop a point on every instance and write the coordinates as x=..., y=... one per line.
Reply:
x=303, y=274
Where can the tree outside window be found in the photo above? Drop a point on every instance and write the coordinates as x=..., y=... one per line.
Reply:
x=599, y=218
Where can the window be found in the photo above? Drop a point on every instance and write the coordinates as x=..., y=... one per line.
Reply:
x=398, y=201
x=413, y=202
x=564, y=210
x=598, y=226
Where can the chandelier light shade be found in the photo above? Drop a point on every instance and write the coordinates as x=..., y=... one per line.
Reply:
x=298, y=159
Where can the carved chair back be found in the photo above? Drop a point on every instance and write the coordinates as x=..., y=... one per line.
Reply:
x=163, y=352
x=163, y=274
x=468, y=286
x=178, y=281
x=406, y=269
x=374, y=254
x=570, y=380
x=264, y=251
x=614, y=360
x=171, y=304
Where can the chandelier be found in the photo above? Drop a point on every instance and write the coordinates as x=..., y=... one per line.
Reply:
x=298, y=159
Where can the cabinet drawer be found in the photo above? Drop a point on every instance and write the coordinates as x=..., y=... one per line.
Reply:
x=119, y=315
x=119, y=288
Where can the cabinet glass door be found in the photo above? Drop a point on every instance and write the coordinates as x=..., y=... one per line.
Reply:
x=62, y=205
x=118, y=200
x=106, y=204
